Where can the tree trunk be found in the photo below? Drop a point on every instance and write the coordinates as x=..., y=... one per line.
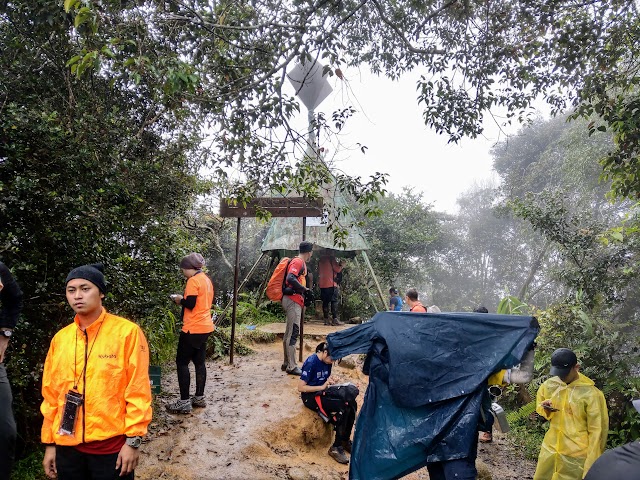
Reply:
x=535, y=266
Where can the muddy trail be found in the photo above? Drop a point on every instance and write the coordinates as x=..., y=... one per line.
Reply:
x=255, y=427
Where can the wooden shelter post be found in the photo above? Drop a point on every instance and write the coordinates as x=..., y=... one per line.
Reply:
x=371, y=297
x=304, y=237
x=236, y=272
x=375, y=279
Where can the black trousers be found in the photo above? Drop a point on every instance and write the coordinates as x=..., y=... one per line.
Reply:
x=7, y=425
x=329, y=296
x=192, y=347
x=459, y=469
x=485, y=424
x=342, y=415
x=75, y=465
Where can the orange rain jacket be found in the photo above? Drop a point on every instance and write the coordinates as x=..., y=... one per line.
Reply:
x=115, y=385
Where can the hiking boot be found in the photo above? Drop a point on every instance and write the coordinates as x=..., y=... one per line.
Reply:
x=295, y=371
x=337, y=453
x=179, y=406
x=198, y=401
x=336, y=322
x=327, y=322
x=347, y=446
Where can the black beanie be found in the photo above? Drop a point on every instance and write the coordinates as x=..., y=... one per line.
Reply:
x=306, y=247
x=92, y=272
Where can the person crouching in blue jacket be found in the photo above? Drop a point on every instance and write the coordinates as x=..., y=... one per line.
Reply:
x=313, y=384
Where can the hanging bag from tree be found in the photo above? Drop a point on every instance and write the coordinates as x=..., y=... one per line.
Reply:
x=276, y=282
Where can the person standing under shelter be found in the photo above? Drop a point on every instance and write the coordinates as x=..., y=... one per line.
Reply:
x=10, y=308
x=414, y=304
x=395, y=301
x=95, y=386
x=578, y=418
x=328, y=268
x=197, y=325
x=293, y=304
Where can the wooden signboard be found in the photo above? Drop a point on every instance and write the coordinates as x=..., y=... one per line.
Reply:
x=277, y=206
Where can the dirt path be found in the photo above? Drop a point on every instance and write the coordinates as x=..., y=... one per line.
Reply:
x=255, y=427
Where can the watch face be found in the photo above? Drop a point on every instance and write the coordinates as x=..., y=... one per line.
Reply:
x=134, y=442
x=6, y=333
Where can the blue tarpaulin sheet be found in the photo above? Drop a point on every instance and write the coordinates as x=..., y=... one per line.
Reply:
x=426, y=373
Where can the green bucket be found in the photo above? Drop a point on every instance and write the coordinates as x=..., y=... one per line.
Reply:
x=154, y=378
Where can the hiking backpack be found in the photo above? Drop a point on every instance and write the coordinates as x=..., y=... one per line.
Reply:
x=276, y=282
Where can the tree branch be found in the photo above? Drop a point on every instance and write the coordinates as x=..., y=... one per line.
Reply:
x=396, y=29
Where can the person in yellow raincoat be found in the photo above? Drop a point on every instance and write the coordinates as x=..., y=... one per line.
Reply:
x=579, y=422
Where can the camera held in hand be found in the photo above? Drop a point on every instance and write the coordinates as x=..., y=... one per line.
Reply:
x=308, y=298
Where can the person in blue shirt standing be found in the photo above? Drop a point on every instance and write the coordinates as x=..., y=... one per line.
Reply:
x=395, y=302
x=314, y=380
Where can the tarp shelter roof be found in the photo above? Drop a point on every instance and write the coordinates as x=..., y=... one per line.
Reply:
x=285, y=234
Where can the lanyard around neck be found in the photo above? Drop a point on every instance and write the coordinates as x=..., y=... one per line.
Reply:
x=86, y=360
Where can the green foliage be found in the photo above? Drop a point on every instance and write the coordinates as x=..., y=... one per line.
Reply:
x=403, y=238
x=485, y=252
x=605, y=352
x=624, y=420
x=219, y=344
x=90, y=170
x=30, y=467
x=528, y=435
x=105, y=104
x=162, y=335
x=223, y=66
x=512, y=306
x=256, y=336
x=357, y=293
x=249, y=314
x=595, y=340
x=592, y=267
x=521, y=414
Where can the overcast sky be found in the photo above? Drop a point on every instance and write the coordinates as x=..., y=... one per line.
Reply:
x=389, y=122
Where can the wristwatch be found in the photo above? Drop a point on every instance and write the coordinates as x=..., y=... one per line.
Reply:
x=134, y=442
x=5, y=332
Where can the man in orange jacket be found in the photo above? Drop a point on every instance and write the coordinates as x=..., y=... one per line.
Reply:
x=95, y=385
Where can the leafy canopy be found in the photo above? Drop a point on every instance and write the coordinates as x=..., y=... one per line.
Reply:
x=224, y=64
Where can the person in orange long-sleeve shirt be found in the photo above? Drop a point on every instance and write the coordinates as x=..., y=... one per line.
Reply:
x=328, y=268
x=95, y=385
x=197, y=325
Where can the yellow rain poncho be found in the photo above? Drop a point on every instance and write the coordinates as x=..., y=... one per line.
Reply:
x=577, y=432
